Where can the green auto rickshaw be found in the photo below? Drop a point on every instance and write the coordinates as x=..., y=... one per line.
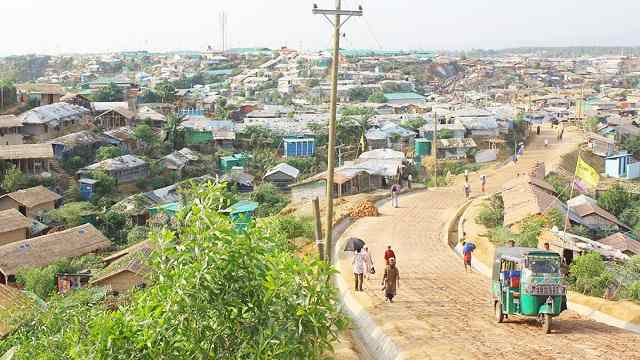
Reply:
x=528, y=282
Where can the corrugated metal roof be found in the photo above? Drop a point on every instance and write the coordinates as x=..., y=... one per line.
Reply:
x=53, y=113
x=403, y=96
x=121, y=162
x=284, y=168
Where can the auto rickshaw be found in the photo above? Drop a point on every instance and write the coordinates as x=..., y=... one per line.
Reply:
x=527, y=282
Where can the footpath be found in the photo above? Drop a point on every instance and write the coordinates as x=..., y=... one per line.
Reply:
x=441, y=312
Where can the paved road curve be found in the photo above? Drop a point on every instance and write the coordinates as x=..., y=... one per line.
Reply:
x=443, y=313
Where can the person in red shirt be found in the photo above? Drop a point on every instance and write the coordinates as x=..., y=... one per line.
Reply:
x=388, y=254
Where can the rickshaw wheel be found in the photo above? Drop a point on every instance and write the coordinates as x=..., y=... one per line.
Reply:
x=546, y=324
x=499, y=313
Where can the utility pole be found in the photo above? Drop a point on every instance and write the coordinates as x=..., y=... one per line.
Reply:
x=434, y=148
x=331, y=147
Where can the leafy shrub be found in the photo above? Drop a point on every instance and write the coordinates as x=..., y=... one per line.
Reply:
x=631, y=215
x=137, y=234
x=214, y=293
x=42, y=281
x=530, y=229
x=72, y=194
x=73, y=164
x=71, y=214
x=13, y=179
x=589, y=275
x=615, y=200
x=292, y=227
x=633, y=291
x=113, y=225
x=270, y=200
x=108, y=152
x=492, y=214
x=501, y=235
x=561, y=185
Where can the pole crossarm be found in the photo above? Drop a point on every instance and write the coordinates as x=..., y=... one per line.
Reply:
x=337, y=12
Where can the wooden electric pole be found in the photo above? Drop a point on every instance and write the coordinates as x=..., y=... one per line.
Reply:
x=434, y=148
x=331, y=147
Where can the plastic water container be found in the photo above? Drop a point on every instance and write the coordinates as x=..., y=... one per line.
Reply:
x=514, y=277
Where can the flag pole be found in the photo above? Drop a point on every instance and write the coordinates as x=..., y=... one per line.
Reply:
x=573, y=185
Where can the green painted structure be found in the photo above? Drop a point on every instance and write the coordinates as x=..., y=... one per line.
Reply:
x=241, y=213
x=170, y=209
x=229, y=162
x=423, y=148
x=403, y=96
x=197, y=136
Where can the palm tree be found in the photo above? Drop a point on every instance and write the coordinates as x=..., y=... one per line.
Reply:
x=172, y=128
x=353, y=125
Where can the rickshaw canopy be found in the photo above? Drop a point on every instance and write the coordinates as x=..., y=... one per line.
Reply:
x=516, y=255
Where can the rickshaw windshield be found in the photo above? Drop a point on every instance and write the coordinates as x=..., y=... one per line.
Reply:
x=544, y=264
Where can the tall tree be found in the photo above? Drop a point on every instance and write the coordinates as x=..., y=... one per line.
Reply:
x=13, y=179
x=172, y=129
x=109, y=93
x=166, y=91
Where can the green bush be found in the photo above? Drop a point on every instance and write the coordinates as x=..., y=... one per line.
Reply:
x=588, y=274
x=530, y=229
x=73, y=164
x=560, y=185
x=113, y=225
x=292, y=227
x=13, y=179
x=270, y=200
x=631, y=215
x=492, y=213
x=108, y=152
x=137, y=234
x=71, y=214
x=633, y=291
x=501, y=235
x=42, y=281
x=615, y=200
x=213, y=293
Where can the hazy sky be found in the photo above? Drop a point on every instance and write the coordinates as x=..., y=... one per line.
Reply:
x=46, y=26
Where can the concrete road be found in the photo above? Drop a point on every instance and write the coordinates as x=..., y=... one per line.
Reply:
x=441, y=312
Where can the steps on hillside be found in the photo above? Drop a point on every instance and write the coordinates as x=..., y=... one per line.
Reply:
x=64, y=180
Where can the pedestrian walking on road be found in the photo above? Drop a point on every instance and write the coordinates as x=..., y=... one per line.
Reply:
x=546, y=142
x=466, y=175
x=395, y=193
x=483, y=181
x=467, y=190
x=391, y=280
x=358, y=268
x=466, y=252
x=409, y=179
x=388, y=254
x=369, y=269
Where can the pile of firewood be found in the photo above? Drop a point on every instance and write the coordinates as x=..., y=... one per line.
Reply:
x=364, y=209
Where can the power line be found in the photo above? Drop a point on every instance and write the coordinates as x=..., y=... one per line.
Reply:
x=370, y=30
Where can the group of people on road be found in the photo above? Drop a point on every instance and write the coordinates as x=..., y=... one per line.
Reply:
x=467, y=186
x=363, y=264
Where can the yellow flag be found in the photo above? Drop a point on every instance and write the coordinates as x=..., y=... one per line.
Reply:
x=587, y=173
